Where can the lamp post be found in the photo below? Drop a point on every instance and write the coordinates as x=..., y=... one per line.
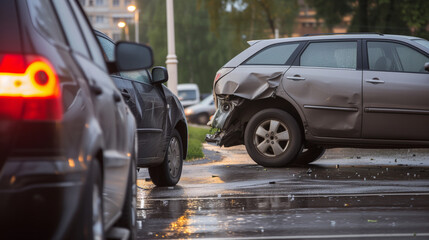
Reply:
x=124, y=25
x=171, y=57
x=135, y=10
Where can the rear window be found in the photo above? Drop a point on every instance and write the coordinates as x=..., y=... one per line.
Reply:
x=45, y=20
x=187, y=95
x=274, y=55
x=9, y=30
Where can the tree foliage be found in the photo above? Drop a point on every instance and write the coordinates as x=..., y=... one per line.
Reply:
x=200, y=51
x=386, y=16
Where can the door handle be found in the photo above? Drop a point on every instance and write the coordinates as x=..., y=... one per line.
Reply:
x=125, y=94
x=116, y=97
x=296, y=78
x=374, y=81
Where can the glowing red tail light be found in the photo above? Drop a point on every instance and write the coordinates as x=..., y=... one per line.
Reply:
x=29, y=88
x=222, y=72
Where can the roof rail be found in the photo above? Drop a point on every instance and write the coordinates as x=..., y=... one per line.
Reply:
x=319, y=34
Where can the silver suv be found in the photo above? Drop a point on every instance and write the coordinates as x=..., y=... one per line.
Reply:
x=289, y=99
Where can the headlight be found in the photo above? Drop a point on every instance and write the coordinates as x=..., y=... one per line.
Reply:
x=188, y=111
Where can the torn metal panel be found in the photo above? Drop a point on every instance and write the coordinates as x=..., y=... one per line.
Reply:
x=251, y=82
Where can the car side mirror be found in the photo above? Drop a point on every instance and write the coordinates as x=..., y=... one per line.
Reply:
x=132, y=56
x=427, y=66
x=159, y=75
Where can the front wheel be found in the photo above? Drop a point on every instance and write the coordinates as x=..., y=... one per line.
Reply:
x=169, y=172
x=273, y=138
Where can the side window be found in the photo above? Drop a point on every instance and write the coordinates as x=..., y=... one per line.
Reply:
x=45, y=21
x=89, y=35
x=330, y=55
x=70, y=27
x=139, y=76
x=395, y=57
x=108, y=48
x=274, y=55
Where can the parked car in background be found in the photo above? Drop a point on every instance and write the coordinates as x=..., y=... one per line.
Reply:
x=201, y=112
x=161, y=123
x=289, y=99
x=188, y=93
x=67, y=137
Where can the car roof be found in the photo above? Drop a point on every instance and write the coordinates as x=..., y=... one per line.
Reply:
x=257, y=45
x=336, y=36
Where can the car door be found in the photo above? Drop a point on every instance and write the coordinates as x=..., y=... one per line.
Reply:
x=395, y=92
x=151, y=116
x=326, y=82
x=106, y=101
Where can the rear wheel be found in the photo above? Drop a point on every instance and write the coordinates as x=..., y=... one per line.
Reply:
x=94, y=210
x=169, y=172
x=273, y=138
x=309, y=154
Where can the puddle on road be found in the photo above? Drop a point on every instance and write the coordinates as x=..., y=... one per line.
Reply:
x=247, y=216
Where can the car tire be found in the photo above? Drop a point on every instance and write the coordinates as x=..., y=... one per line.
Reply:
x=309, y=154
x=128, y=219
x=203, y=118
x=169, y=172
x=94, y=214
x=273, y=138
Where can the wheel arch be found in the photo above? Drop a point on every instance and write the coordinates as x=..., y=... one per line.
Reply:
x=182, y=128
x=250, y=107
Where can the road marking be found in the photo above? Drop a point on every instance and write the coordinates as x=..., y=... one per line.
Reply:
x=292, y=195
x=376, y=235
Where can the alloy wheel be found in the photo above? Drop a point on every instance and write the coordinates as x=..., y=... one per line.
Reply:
x=271, y=138
x=174, y=157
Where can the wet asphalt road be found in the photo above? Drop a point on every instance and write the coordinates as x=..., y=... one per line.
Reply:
x=348, y=194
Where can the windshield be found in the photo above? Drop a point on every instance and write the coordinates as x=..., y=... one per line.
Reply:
x=423, y=42
x=208, y=100
x=187, y=95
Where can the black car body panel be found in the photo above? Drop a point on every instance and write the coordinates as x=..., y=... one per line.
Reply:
x=156, y=109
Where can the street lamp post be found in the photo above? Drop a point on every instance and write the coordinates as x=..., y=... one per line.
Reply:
x=171, y=57
x=124, y=25
x=135, y=10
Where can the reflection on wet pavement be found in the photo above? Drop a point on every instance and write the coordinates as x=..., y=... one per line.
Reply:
x=237, y=199
x=283, y=216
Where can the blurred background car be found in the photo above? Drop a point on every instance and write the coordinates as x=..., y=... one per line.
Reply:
x=161, y=123
x=67, y=137
x=188, y=93
x=201, y=112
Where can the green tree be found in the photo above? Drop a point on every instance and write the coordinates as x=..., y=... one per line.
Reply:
x=252, y=18
x=200, y=51
x=386, y=16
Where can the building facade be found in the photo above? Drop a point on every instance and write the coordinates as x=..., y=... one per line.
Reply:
x=104, y=15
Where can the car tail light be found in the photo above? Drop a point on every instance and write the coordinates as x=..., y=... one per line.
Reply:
x=29, y=88
x=221, y=73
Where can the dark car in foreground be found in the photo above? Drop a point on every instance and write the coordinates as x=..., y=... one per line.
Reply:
x=289, y=99
x=161, y=124
x=67, y=137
